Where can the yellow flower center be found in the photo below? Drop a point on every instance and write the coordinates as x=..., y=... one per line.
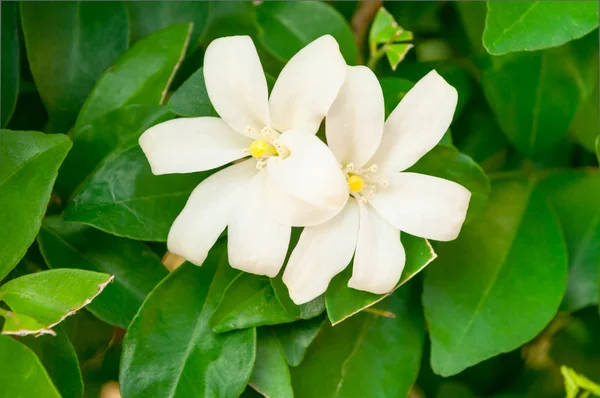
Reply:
x=355, y=183
x=259, y=148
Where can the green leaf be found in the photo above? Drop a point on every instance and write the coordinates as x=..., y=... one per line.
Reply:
x=534, y=25
x=576, y=383
x=24, y=375
x=69, y=45
x=586, y=124
x=169, y=349
x=10, y=61
x=396, y=52
x=29, y=163
x=598, y=148
x=140, y=76
x=124, y=198
x=366, y=356
x=295, y=338
x=135, y=267
x=60, y=361
x=385, y=29
x=342, y=302
x=289, y=26
x=445, y=161
x=308, y=310
x=492, y=269
x=271, y=375
x=149, y=16
x=472, y=17
x=96, y=141
x=51, y=296
x=191, y=99
x=394, y=89
x=574, y=196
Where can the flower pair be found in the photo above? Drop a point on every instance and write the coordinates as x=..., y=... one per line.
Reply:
x=350, y=196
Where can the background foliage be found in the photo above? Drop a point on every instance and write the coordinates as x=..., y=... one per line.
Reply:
x=495, y=314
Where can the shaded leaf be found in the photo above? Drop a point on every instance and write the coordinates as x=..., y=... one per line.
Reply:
x=191, y=99
x=295, y=338
x=10, y=61
x=271, y=375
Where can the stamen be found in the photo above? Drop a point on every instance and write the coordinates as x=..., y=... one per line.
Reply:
x=261, y=164
x=259, y=148
x=374, y=168
x=355, y=183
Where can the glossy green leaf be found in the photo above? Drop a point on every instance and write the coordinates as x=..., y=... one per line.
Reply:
x=575, y=195
x=29, y=164
x=271, y=375
x=295, y=338
x=534, y=25
x=140, y=76
x=342, y=302
x=95, y=142
x=366, y=356
x=51, y=296
x=69, y=45
x=170, y=350
x=308, y=310
x=150, y=16
x=24, y=375
x=60, y=361
x=10, y=61
x=135, y=267
x=191, y=99
x=445, y=161
x=535, y=96
x=489, y=272
x=286, y=27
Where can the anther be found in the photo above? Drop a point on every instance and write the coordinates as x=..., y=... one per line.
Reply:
x=355, y=183
x=374, y=168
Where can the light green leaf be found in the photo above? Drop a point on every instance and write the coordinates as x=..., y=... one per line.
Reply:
x=135, y=267
x=191, y=99
x=396, y=52
x=11, y=53
x=295, y=338
x=24, y=375
x=534, y=25
x=170, y=350
x=271, y=375
x=489, y=271
x=289, y=26
x=140, y=76
x=576, y=383
x=29, y=164
x=342, y=302
x=366, y=356
x=385, y=29
x=51, y=296
x=69, y=45
x=586, y=124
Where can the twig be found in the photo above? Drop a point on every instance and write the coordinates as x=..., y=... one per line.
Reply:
x=361, y=20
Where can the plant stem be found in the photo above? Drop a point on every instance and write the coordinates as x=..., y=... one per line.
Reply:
x=361, y=20
x=376, y=56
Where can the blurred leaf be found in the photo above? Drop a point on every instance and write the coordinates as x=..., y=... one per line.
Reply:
x=50, y=296
x=140, y=76
x=472, y=16
x=295, y=338
x=135, y=267
x=342, y=302
x=29, y=163
x=271, y=375
x=170, y=350
x=394, y=89
x=366, y=356
x=586, y=124
x=598, y=148
x=149, y=16
x=10, y=61
x=124, y=198
x=416, y=16
x=230, y=18
x=527, y=26
x=60, y=361
x=89, y=335
x=289, y=26
x=69, y=45
x=471, y=294
x=191, y=99
x=24, y=375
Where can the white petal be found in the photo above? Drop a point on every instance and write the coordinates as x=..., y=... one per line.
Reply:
x=425, y=206
x=417, y=124
x=308, y=187
x=322, y=252
x=236, y=83
x=257, y=243
x=354, y=124
x=380, y=257
x=307, y=86
x=191, y=144
x=207, y=211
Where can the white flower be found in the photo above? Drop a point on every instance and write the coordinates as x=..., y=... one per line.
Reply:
x=385, y=201
x=290, y=177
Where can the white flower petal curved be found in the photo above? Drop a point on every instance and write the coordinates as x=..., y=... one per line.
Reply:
x=422, y=205
x=236, y=84
x=380, y=257
x=207, y=212
x=417, y=124
x=307, y=86
x=256, y=243
x=322, y=252
x=310, y=177
x=189, y=145
x=354, y=124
